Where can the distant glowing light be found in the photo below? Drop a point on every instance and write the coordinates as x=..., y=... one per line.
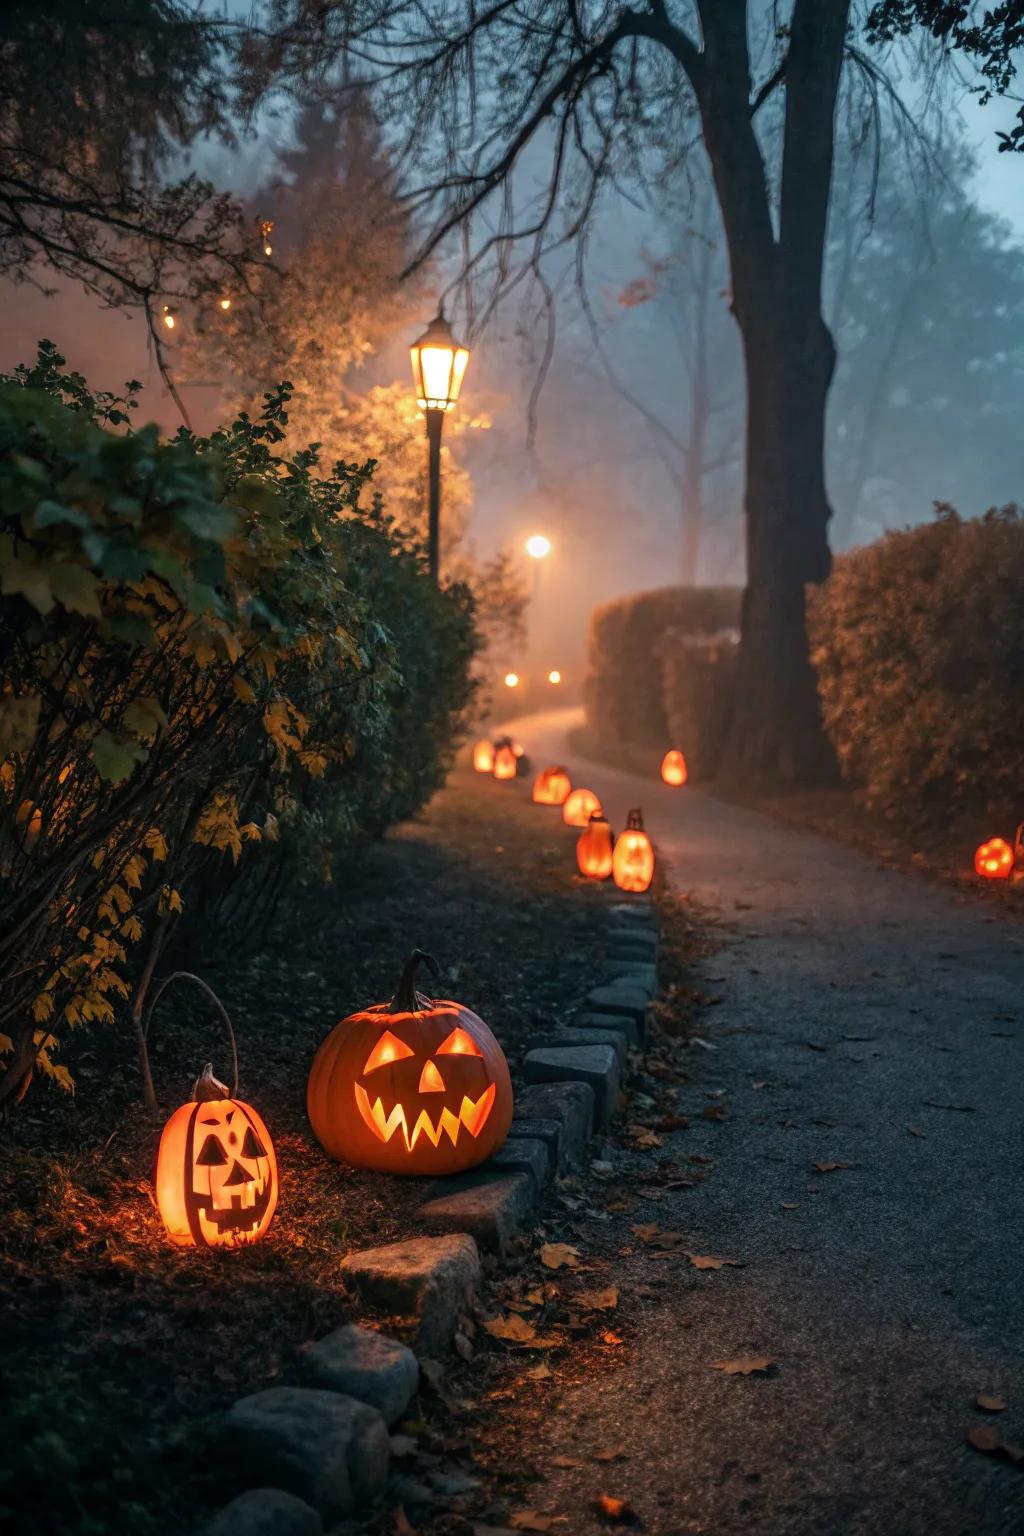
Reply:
x=225, y=302
x=266, y=225
x=538, y=547
x=169, y=317
x=268, y=249
x=554, y=676
x=511, y=679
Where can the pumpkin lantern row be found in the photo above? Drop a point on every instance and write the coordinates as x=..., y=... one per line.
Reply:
x=579, y=806
x=483, y=756
x=673, y=767
x=594, y=848
x=412, y=1086
x=216, y=1171
x=552, y=787
x=633, y=859
x=994, y=860
x=505, y=761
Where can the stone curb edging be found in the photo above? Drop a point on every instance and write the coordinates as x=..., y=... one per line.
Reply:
x=311, y=1454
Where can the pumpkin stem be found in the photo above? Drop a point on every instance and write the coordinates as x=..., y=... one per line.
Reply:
x=206, y=1086
x=406, y=998
x=635, y=821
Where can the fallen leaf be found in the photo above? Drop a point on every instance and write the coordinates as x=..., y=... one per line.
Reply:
x=598, y=1301
x=615, y=1454
x=832, y=1167
x=619, y=1510
x=646, y=1230
x=542, y=1372
x=990, y=1403
x=758, y=1086
x=531, y=1520
x=912, y=1130
x=642, y=1136
x=566, y=1461
x=514, y=1329
x=985, y=1437
x=746, y=1365
x=559, y=1256
x=707, y=1261
x=611, y=1338
x=713, y=1112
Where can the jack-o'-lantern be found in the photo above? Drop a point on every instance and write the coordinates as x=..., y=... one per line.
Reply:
x=579, y=806
x=412, y=1086
x=216, y=1171
x=505, y=760
x=673, y=767
x=633, y=859
x=994, y=859
x=594, y=848
x=552, y=787
x=483, y=756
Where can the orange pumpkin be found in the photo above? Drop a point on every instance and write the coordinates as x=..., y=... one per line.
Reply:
x=633, y=860
x=216, y=1171
x=552, y=787
x=411, y=1086
x=994, y=860
x=505, y=761
x=594, y=848
x=579, y=806
x=673, y=767
x=483, y=756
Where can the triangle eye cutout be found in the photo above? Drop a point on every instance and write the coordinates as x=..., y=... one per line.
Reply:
x=251, y=1144
x=388, y=1049
x=458, y=1043
x=211, y=1154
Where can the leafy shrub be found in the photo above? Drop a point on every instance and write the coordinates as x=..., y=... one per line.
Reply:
x=698, y=676
x=918, y=641
x=203, y=646
x=623, y=693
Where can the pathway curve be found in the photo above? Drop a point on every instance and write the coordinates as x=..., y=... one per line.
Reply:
x=867, y=1018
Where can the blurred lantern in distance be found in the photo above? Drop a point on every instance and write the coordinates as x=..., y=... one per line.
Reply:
x=633, y=860
x=994, y=860
x=552, y=787
x=505, y=762
x=170, y=319
x=438, y=365
x=554, y=676
x=225, y=303
x=511, y=679
x=594, y=848
x=216, y=1171
x=673, y=767
x=483, y=756
x=538, y=546
x=579, y=806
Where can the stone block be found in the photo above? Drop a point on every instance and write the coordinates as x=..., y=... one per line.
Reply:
x=583, y=1034
x=265, y=1512
x=648, y=984
x=618, y=1023
x=432, y=1278
x=623, y=1002
x=595, y=1065
x=490, y=1207
x=536, y=1128
x=522, y=1154
x=572, y=1104
x=365, y=1365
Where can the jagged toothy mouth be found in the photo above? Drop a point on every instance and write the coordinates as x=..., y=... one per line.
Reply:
x=472, y=1115
x=237, y=1217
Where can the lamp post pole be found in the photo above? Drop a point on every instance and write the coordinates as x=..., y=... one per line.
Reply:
x=438, y=364
x=435, y=421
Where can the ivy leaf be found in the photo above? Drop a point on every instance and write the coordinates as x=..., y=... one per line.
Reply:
x=77, y=589
x=47, y=513
x=114, y=760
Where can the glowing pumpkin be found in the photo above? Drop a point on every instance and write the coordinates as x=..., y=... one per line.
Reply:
x=411, y=1086
x=633, y=859
x=505, y=761
x=994, y=859
x=673, y=767
x=552, y=787
x=483, y=756
x=216, y=1172
x=594, y=848
x=579, y=806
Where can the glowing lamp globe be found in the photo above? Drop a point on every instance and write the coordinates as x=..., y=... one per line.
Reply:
x=552, y=787
x=538, y=546
x=511, y=679
x=673, y=767
x=994, y=860
x=438, y=365
x=633, y=860
x=483, y=756
x=594, y=848
x=579, y=806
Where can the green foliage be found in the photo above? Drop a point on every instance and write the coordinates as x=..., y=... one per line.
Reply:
x=623, y=691
x=205, y=646
x=918, y=641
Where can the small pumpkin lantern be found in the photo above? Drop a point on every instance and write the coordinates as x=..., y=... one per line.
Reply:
x=633, y=859
x=216, y=1171
x=411, y=1086
x=579, y=806
x=594, y=848
x=673, y=767
x=994, y=860
x=505, y=760
x=483, y=756
x=552, y=787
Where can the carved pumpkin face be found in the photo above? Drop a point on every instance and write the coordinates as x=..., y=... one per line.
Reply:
x=594, y=848
x=505, y=761
x=552, y=787
x=414, y=1086
x=579, y=806
x=994, y=859
x=483, y=756
x=633, y=859
x=216, y=1171
x=673, y=767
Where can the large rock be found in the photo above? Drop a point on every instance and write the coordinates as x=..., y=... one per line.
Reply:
x=265, y=1512
x=572, y=1104
x=595, y=1065
x=327, y=1449
x=366, y=1365
x=491, y=1207
x=432, y=1278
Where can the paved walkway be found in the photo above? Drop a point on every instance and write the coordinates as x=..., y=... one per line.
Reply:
x=868, y=1018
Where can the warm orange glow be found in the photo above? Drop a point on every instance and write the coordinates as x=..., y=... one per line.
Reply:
x=673, y=767
x=439, y=363
x=511, y=679
x=483, y=756
x=169, y=317
x=579, y=806
x=552, y=787
x=459, y=1043
x=594, y=849
x=633, y=860
x=555, y=676
x=472, y=1114
x=388, y=1049
x=538, y=546
x=216, y=1174
x=225, y=302
x=504, y=761
x=431, y=1080
x=994, y=859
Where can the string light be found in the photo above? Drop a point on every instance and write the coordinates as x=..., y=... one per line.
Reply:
x=266, y=226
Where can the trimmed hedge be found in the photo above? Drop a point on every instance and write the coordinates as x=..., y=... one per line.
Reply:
x=623, y=690
x=698, y=679
x=918, y=641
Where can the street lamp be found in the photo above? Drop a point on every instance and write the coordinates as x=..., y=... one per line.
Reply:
x=438, y=364
x=538, y=546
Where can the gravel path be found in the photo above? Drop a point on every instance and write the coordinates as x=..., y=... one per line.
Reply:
x=863, y=1017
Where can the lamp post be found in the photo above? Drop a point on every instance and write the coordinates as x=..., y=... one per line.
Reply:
x=438, y=364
